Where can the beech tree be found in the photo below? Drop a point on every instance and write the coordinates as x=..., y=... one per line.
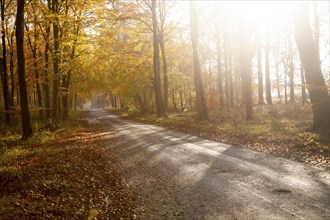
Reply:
x=260, y=77
x=25, y=114
x=3, y=63
x=311, y=62
x=156, y=63
x=201, y=106
x=246, y=54
x=218, y=53
x=56, y=60
x=34, y=49
x=267, y=71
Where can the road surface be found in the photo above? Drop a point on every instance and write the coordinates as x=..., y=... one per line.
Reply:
x=181, y=176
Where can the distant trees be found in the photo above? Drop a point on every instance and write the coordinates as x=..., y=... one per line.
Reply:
x=134, y=54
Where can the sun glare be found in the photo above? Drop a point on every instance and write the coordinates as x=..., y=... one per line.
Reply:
x=261, y=13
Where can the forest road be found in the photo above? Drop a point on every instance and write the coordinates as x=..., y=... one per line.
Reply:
x=181, y=176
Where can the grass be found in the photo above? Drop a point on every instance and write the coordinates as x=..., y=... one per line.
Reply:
x=282, y=129
x=278, y=128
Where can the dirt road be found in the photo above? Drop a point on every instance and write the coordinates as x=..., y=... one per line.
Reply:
x=181, y=176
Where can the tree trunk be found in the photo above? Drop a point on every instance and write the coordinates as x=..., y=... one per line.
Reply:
x=277, y=80
x=26, y=123
x=158, y=95
x=11, y=68
x=246, y=54
x=316, y=28
x=291, y=69
x=231, y=83
x=65, y=84
x=268, y=85
x=303, y=85
x=225, y=52
x=201, y=106
x=219, y=65
x=173, y=100
x=33, y=47
x=285, y=88
x=260, y=79
x=165, y=74
x=4, y=77
x=56, y=59
x=46, y=72
x=310, y=59
x=36, y=75
x=291, y=83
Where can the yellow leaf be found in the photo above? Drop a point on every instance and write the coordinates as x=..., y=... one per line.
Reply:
x=93, y=213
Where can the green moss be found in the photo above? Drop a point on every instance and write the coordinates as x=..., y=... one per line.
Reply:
x=9, y=154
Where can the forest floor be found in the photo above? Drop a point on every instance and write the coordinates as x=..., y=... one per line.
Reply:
x=78, y=171
x=63, y=174
x=280, y=130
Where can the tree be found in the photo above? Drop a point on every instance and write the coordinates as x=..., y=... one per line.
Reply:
x=162, y=15
x=3, y=72
x=158, y=95
x=46, y=70
x=25, y=114
x=34, y=49
x=268, y=85
x=201, y=107
x=246, y=55
x=311, y=62
x=260, y=78
x=303, y=84
x=56, y=60
x=226, y=59
x=291, y=68
x=219, y=65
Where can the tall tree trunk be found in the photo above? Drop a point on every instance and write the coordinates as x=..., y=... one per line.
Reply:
x=173, y=100
x=4, y=77
x=291, y=69
x=56, y=60
x=25, y=114
x=246, y=54
x=285, y=87
x=225, y=52
x=303, y=85
x=316, y=28
x=11, y=68
x=165, y=71
x=260, y=79
x=158, y=95
x=277, y=80
x=36, y=75
x=219, y=65
x=201, y=106
x=181, y=99
x=231, y=83
x=268, y=85
x=46, y=72
x=33, y=47
x=291, y=83
x=66, y=79
x=311, y=61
